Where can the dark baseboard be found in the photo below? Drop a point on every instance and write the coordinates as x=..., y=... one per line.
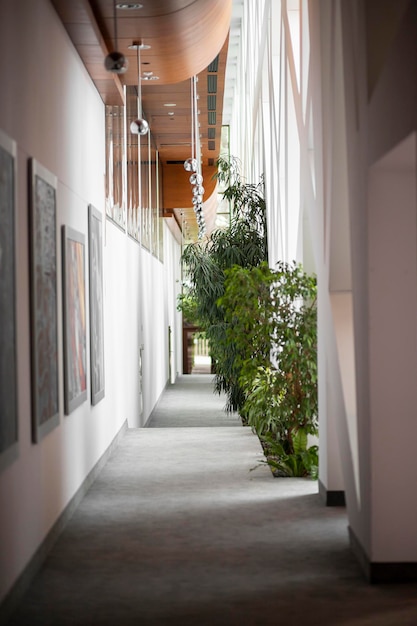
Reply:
x=380, y=572
x=331, y=498
x=13, y=598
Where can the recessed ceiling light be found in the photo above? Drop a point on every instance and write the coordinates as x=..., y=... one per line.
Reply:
x=150, y=77
x=129, y=5
x=170, y=104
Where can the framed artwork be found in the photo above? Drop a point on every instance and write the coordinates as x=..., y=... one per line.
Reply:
x=8, y=368
x=95, y=249
x=75, y=348
x=43, y=292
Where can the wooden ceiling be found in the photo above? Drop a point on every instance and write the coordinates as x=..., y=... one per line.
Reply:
x=186, y=38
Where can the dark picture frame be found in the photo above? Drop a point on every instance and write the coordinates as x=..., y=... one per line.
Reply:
x=8, y=351
x=74, y=307
x=43, y=300
x=95, y=250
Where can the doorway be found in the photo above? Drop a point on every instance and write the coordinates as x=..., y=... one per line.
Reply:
x=196, y=352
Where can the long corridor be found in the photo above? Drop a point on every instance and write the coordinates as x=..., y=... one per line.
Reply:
x=185, y=526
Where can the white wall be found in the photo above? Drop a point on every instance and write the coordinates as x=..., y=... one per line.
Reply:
x=155, y=333
x=49, y=106
x=392, y=202
x=122, y=324
x=172, y=257
x=381, y=200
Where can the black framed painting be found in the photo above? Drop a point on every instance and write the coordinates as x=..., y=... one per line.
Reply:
x=95, y=249
x=74, y=305
x=43, y=300
x=8, y=362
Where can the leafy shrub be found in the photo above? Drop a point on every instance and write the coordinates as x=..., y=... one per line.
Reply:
x=271, y=320
x=187, y=304
x=243, y=243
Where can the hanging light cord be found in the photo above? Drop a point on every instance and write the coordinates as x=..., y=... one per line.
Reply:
x=115, y=26
x=196, y=129
x=192, y=120
x=139, y=84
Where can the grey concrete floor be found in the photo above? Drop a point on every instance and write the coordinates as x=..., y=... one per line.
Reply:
x=184, y=526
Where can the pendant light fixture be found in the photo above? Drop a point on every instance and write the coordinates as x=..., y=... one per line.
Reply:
x=140, y=126
x=193, y=164
x=115, y=62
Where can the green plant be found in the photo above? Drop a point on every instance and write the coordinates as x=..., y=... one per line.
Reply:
x=187, y=304
x=304, y=461
x=247, y=199
x=242, y=243
x=271, y=320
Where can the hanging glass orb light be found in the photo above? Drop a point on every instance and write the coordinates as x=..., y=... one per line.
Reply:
x=190, y=165
x=196, y=179
x=198, y=190
x=115, y=62
x=139, y=127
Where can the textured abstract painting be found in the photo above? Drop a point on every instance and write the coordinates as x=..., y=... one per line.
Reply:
x=44, y=323
x=75, y=353
x=8, y=392
x=95, y=248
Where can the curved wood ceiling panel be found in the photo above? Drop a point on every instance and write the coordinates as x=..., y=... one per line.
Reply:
x=184, y=35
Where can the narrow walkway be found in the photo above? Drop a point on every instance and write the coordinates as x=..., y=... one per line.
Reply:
x=183, y=527
x=191, y=402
